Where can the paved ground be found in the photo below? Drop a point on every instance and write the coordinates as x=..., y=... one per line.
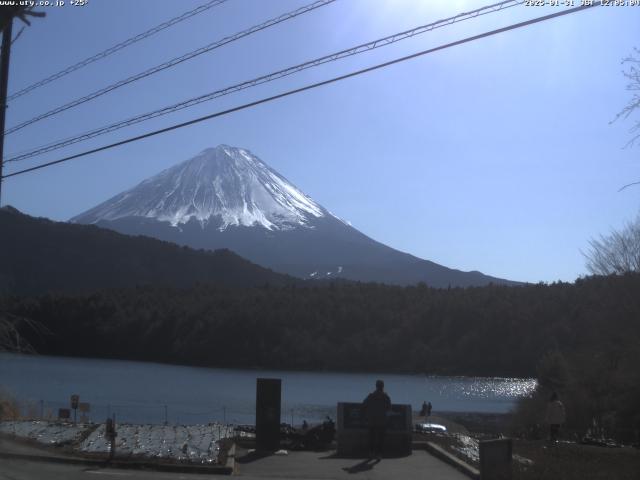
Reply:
x=298, y=465
x=26, y=470
x=323, y=466
x=22, y=448
x=294, y=466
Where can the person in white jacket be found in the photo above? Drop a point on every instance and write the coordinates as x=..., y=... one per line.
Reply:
x=556, y=416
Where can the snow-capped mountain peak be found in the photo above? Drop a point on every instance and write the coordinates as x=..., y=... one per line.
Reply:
x=228, y=185
x=226, y=197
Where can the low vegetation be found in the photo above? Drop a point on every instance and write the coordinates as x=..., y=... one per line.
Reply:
x=573, y=462
x=9, y=407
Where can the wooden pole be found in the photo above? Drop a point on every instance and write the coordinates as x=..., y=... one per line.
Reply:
x=4, y=84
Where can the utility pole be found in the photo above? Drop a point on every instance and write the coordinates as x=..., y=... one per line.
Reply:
x=4, y=84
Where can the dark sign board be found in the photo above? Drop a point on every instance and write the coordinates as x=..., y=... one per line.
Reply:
x=64, y=413
x=268, y=394
x=353, y=417
x=495, y=459
x=353, y=431
x=74, y=401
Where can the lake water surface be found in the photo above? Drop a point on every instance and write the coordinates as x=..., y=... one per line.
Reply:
x=141, y=392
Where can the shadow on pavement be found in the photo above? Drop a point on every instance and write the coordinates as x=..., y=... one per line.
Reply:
x=253, y=456
x=362, y=466
x=335, y=455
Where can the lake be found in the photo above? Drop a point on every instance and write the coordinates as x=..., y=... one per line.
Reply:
x=142, y=392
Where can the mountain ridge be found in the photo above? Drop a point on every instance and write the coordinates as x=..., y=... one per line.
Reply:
x=226, y=197
x=38, y=255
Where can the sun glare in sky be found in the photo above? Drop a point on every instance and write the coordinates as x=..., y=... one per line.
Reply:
x=421, y=6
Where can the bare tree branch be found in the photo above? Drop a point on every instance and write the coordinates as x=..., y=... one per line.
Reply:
x=632, y=73
x=616, y=253
x=11, y=327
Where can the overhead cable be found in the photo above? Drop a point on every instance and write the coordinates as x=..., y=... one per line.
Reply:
x=105, y=53
x=305, y=88
x=265, y=79
x=171, y=63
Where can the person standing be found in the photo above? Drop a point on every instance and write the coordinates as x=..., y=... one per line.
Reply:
x=111, y=434
x=376, y=407
x=429, y=407
x=556, y=416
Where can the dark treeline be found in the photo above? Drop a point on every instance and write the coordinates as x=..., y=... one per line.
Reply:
x=490, y=330
x=581, y=339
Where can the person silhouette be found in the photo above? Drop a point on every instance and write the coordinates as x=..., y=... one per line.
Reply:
x=376, y=407
x=556, y=416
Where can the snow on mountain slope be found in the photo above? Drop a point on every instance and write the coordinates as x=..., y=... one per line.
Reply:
x=226, y=183
x=226, y=197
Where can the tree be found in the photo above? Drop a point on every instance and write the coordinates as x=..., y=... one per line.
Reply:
x=633, y=76
x=616, y=253
x=553, y=371
x=12, y=330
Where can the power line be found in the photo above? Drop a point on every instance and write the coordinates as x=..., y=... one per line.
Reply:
x=267, y=78
x=173, y=62
x=105, y=53
x=305, y=88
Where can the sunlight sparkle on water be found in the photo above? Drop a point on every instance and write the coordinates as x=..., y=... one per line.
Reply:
x=506, y=387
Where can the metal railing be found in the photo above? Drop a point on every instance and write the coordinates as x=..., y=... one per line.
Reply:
x=158, y=413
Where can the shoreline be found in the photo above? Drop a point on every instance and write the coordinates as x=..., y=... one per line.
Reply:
x=291, y=370
x=482, y=423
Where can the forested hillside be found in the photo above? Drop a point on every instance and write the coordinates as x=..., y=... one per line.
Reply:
x=492, y=330
x=38, y=255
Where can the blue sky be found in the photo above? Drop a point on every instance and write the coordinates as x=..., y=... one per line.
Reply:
x=496, y=155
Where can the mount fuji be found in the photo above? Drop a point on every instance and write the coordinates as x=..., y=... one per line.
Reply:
x=226, y=197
